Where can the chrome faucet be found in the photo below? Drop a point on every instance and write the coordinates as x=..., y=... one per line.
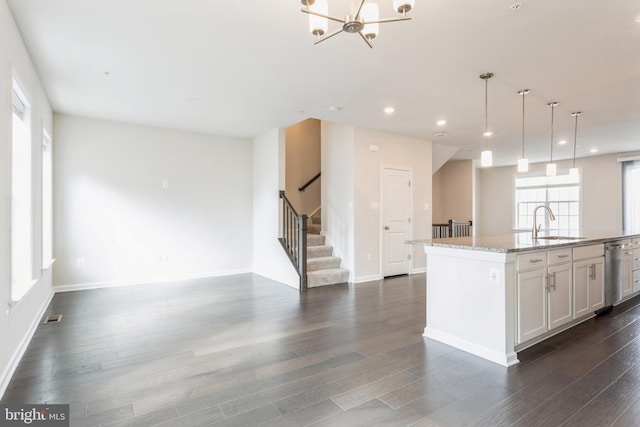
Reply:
x=536, y=227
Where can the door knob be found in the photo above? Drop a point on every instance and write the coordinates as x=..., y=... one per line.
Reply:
x=386, y=227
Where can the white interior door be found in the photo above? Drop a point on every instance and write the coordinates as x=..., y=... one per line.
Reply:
x=396, y=221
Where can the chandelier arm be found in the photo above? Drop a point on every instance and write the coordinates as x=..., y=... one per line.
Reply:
x=383, y=21
x=359, y=9
x=322, y=15
x=366, y=40
x=328, y=36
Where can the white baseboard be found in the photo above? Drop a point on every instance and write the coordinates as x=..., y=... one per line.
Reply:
x=371, y=278
x=419, y=270
x=504, y=359
x=22, y=347
x=117, y=284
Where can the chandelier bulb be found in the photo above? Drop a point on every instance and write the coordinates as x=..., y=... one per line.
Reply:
x=318, y=25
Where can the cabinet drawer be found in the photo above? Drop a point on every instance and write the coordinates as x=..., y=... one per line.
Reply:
x=536, y=259
x=559, y=256
x=584, y=252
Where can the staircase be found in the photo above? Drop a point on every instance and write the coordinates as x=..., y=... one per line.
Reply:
x=322, y=267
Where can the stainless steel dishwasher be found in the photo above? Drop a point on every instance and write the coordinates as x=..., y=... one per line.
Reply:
x=617, y=268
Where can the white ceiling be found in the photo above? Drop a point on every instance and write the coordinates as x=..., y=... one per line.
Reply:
x=239, y=68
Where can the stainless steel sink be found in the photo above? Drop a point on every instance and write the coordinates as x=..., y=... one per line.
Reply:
x=560, y=238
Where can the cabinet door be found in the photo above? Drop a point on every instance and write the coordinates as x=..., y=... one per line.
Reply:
x=532, y=304
x=596, y=284
x=581, y=302
x=627, y=276
x=560, y=295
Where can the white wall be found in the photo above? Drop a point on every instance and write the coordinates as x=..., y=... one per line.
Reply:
x=351, y=186
x=453, y=184
x=338, y=191
x=393, y=150
x=269, y=258
x=601, y=195
x=18, y=321
x=116, y=223
x=302, y=164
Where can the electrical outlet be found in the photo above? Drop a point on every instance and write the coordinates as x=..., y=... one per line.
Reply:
x=494, y=275
x=80, y=263
x=368, y=257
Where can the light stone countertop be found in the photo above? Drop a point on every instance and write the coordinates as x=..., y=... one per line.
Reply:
x=522, y=241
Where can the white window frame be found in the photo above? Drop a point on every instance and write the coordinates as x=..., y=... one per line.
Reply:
x=561, y=180
x=47, y=199
x=21, y=195
x=630, y=195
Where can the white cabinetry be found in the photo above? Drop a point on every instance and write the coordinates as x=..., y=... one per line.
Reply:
x=544, y=290
x=532, y=304
x=560, y=292
x=588, y=279
x=635, y=275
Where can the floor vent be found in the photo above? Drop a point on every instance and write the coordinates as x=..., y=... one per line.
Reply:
x=53, y=319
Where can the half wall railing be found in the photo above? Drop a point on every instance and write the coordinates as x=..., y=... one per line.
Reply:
x=293, y=238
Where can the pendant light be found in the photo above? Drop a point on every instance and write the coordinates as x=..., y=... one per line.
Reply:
x=551, y=167
x=486, y=157
x=523, y=162
x=574, y=170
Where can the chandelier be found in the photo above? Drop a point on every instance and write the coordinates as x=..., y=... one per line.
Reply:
x=363, y=19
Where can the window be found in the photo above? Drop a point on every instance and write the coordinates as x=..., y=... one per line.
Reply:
x=21, y=218
x=47, y=191
x=631, y=196
x=560, y=192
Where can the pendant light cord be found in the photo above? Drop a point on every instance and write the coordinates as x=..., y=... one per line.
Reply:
x=575, y=136
x=553, y=105
x=486, y=110
x=523, y=95
x=551, y=157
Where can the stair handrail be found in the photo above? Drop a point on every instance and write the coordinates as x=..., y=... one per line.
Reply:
x=308, y=183
x=294, y=238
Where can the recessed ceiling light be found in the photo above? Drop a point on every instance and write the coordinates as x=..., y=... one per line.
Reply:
x=516, y=6
x=488, y=133
x=389, y=110
x=562, y=141
x=441, y=122
x=593, y=150
x=638, y=18
x=333, y=108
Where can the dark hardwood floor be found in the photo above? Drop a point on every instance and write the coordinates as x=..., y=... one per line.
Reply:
x=244, y=350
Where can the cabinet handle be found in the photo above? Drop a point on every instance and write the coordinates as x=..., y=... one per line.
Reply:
x=563, y=256
x=536, y=260
x=552, y=283
x=592, y=272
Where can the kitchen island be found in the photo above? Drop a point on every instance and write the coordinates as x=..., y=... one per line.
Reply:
x=493, y=296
